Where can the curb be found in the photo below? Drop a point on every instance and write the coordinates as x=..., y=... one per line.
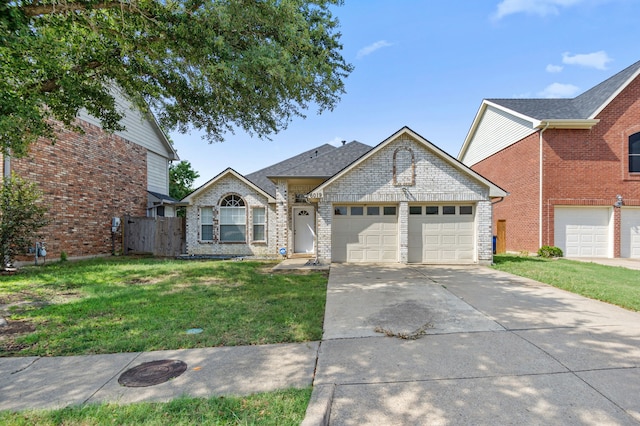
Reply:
x=319, y=408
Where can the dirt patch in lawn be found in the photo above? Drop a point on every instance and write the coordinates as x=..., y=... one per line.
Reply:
x=9, y=331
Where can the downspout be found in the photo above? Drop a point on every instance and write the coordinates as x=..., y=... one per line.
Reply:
x=540, y=189
x=7, y=166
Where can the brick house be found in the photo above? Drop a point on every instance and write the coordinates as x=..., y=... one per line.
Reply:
x=404, y=200
x=572, y=167
x=88, y=179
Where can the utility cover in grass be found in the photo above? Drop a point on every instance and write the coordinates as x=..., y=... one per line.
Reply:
x=152, y=373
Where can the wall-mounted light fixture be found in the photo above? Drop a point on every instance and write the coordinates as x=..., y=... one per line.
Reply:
x=619, y=201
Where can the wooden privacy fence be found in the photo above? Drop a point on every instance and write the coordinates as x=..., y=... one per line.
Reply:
x=161, y=236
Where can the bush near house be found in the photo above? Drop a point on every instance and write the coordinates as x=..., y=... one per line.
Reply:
x=550, y=251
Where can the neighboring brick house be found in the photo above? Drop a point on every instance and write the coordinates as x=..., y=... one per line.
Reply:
x=404, y=200
x=572, y=167
x=88, y=179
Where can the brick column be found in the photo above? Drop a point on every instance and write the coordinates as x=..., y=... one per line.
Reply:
x=403, y=231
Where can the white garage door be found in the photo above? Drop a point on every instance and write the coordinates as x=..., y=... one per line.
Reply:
x=441, y=234
x=582, y=231
x=364, y=234
x=630, y=232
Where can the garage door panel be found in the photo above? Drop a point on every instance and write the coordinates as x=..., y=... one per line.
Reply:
x=444, y=238
x=630, y=232
x=582, y=232
x=364, y=238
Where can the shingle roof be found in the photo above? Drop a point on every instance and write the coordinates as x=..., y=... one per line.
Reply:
x=163, y=197
x=260, y=178
x=579, y=108
x=327, y=164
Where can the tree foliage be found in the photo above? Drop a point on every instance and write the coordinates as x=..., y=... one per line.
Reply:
x=212, y=65
x=181, y=177
x=21, y=216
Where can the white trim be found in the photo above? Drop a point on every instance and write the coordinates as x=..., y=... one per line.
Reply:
x=229, y=171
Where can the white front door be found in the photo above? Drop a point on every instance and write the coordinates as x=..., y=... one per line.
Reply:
x=303, y=229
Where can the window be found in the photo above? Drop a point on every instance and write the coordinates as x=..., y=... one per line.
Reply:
x=206, y=224
x=160, y=211
x=259, y=219
x=634, y=153
x=415, y=209
x=340, y=211
x=232, y=220
x=357, y=211
x=448, y=209
x=466, y=210
x=389, y=210
x=432, y=210
x=373, y=211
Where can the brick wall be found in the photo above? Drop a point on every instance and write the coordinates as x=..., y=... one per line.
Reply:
x=86, y=179
x=581, y=167
x=211, y=197
x=516, y=170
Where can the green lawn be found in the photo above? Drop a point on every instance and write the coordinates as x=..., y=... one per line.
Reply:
x=616, y=285
x=120, y=304
x=273, y=408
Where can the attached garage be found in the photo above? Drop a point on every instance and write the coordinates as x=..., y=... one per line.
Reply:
x=630, y=232
x=364, y=233
x=583, y=231
x=441, y=234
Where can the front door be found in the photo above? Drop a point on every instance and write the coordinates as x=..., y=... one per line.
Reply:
x=303, y=229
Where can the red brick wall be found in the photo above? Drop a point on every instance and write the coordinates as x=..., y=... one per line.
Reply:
x=86, y=180
x=581, y=167
x=516, y=170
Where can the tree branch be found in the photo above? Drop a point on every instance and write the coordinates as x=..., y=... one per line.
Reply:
x=37, y=9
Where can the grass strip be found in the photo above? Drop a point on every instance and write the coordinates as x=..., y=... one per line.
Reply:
x=616, y=285
x=285, y=407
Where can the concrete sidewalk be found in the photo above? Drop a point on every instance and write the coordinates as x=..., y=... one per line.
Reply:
x=34, y=382
x=472, y=346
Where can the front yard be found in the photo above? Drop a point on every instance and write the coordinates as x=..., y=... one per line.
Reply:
x=615, y=285
x=128, y=305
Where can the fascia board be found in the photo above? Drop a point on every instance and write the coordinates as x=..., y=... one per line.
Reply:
x=566, y=124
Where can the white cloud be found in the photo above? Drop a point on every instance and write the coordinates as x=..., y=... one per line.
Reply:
x=532, y=7
x=598, y=60
x=554, y=68
x=372, y=48
x=559, y=90
x=337, y=141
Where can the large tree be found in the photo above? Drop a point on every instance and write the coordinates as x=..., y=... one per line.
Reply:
x=181, y=178
x=212, y=65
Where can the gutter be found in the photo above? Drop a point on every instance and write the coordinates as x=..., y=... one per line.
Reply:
x=540, y=187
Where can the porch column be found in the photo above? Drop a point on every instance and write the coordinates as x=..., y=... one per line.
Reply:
x=282, y=216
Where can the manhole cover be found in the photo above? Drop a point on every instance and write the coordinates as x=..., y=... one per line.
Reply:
x=152, y=373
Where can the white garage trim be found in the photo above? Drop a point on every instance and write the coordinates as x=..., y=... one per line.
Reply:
x=364, y=233
x=584, y=231
x=630, y=232
x=442, y=234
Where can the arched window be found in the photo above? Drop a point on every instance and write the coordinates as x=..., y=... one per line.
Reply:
x=634, y=153
x=233, y=220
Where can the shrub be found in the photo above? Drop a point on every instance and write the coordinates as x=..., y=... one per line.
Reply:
x=549, y=251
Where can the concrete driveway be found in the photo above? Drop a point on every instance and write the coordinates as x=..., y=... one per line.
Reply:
x=470, y=345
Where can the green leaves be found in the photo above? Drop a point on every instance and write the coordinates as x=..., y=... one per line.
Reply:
x=181, y=177
x=21, y=216
x=213, y=65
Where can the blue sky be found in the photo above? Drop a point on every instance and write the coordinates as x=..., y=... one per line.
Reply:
x=429, y=64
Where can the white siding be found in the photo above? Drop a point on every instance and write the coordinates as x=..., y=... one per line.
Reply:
x=496, y=131
x=139, y=128
x=157, y=173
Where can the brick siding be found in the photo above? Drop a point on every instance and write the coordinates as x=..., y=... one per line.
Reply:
x=86, y=179
x=581, y=168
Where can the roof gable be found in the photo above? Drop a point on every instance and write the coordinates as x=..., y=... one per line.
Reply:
x=229, y=171
x=576, y=113
x=494, y=190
